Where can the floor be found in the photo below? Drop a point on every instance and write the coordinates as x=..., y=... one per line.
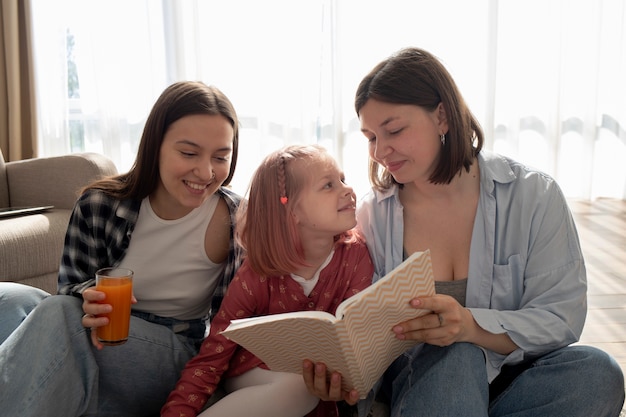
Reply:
x=602, y=230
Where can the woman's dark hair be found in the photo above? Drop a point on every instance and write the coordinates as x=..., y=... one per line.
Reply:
x=414, y=76
x=180, y=99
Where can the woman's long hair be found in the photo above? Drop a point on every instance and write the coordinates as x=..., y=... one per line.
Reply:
x=180, y=99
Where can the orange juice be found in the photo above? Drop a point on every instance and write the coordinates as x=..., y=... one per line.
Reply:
x=118, y=290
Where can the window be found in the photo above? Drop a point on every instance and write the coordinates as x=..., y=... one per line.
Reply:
x=553, y=98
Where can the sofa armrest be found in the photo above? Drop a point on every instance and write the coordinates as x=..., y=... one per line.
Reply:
x=54, y=180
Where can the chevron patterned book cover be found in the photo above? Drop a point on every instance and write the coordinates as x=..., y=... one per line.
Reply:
x=357, y=341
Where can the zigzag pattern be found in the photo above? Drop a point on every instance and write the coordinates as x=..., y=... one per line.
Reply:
x=371, y=318
x=361, y=346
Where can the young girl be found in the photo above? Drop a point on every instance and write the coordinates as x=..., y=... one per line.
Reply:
x=302, y=254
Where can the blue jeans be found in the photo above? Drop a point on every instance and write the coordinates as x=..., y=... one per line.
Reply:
x=16, y=302
x=48, y=365
x=452, y=381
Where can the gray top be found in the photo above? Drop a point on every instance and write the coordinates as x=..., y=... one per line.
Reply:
x=455, y=289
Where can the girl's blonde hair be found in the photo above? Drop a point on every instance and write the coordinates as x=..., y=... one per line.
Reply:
x=266, y=226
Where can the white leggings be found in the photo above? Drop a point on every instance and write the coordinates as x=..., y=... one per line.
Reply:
x=263, y=393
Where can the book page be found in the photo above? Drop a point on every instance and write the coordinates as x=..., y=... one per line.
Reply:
x=283, y=344
x=371, y=317
x=251, y=321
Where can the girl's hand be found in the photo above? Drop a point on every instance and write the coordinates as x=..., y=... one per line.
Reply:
x=448, y=322
x=327, y=390
x=92, y=307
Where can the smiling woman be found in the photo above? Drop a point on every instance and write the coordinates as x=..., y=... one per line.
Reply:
x=170, y=219
x=509, y=273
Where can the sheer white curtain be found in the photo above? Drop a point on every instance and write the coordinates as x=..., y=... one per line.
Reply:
x=271, y=59
x=115, y=50
x=458, y=32
x=560, y=101
x=544, y=77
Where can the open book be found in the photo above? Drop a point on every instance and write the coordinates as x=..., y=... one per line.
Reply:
x=357, y=341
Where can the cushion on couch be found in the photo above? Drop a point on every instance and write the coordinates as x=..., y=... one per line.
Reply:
x=31, y=245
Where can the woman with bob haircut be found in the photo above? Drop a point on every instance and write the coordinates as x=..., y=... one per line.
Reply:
x=302, y=253
x=170, y=219
x=510, y=275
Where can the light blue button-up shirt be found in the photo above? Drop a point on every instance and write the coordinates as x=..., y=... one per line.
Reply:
x=526, y=275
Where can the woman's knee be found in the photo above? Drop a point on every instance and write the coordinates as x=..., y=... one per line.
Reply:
x=19, y=295
x=588, y=358
x=16, y=303
x=594, y=361
x=455, y=356
x=590, y=367
x=63, y=310
x=436, y=371
x=440, y=366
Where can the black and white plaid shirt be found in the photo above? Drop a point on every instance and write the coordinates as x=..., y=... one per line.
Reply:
x=99, y=233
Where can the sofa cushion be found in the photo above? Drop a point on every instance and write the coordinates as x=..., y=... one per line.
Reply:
x=31, y=246
x=54, y=181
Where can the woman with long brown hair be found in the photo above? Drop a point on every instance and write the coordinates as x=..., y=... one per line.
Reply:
x=170, y=219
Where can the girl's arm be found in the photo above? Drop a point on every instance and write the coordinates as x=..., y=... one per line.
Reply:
x=202, y=374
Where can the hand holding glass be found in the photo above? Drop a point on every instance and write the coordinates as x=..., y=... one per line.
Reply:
x=117, y=284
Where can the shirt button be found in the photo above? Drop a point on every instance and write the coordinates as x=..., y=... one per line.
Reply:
x=311, y=305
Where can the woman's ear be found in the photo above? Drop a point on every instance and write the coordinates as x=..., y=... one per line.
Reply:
x=442, y=117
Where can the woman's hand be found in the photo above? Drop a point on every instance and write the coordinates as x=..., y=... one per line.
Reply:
x=327, y=390
x=93, y=308
x=448, y=322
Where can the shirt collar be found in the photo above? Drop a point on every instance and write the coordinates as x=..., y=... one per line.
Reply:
x=494, y=168
x=391, y=192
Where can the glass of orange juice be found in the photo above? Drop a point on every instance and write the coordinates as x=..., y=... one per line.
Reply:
x=117, y=284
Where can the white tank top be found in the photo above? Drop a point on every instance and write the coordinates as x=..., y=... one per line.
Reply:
x=174, y=277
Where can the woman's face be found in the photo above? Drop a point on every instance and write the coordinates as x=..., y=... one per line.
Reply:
x=403, y=138
x=194, y=161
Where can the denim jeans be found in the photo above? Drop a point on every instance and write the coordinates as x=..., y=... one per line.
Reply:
x=48, y=366
x=575, y=381
x=16, y=301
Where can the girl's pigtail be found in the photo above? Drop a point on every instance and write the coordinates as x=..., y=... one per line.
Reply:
x=282, y=181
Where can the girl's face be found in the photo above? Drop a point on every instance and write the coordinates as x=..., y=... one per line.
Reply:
x=194, y=161
x=403, y=138
x=326, y=205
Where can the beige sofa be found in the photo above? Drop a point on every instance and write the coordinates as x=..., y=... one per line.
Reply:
x=31, y=245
